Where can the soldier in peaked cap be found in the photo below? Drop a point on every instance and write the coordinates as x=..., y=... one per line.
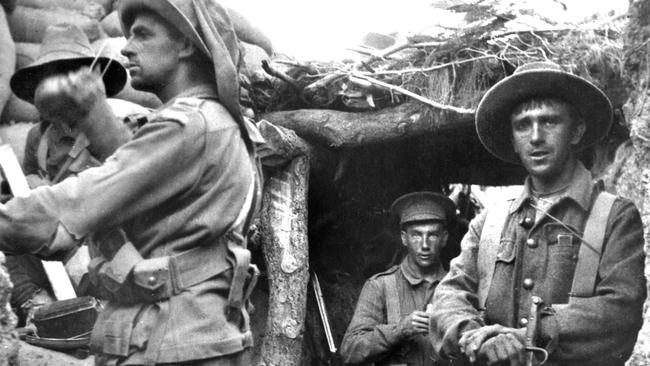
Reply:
x=391, y=322
x=180, y=194
x=564, y=246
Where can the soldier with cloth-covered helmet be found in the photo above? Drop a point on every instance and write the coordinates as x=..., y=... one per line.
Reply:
x=168, y=210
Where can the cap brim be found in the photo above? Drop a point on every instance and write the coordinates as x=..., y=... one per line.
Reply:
x=494, y=111
x=441, y=200
x=24, y=82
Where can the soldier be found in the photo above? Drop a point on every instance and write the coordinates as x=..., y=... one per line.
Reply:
x=180, y=194
x=390, y=323
x=564, y=240
x=48, y=157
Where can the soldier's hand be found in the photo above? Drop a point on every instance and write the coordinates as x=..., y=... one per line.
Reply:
x=68, y=99
x=472, y=341
x=502, y=348
x=415, y=323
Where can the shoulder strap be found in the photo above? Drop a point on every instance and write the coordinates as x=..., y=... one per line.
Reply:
x=393, y=310
x=584, y=278
x=489, y=246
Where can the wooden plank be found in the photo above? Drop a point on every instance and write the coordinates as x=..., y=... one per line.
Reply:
x=55, y=270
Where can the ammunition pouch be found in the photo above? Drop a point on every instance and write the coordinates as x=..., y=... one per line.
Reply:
x=128, y=278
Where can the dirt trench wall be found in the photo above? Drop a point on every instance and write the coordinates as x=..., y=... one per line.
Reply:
x=631, y=175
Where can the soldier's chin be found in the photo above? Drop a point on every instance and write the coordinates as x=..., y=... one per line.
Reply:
x=141, y=85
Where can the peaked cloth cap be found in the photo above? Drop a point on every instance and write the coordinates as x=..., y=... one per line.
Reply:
x=65, y=48
x=533, y=80
x=421, y=206
x=210, y=28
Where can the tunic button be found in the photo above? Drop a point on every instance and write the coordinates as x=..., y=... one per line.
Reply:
x=523, y=321
x=532, y=243
x=527, y=222
x=529, y=283
x=151, y=280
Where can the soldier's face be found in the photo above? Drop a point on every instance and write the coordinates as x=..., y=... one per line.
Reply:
x=424, y=242
x=545, y=137
x=153, y=52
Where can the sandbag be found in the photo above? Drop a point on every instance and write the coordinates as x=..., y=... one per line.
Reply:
x=17, y=110
x=29, y=24
x=7, y=59
x=253, y=57
x=78, y=5
x=111, y=25
x=112, y=49
x=26, y=53
x=8, y=5
x=89, y=8
x=16, y=135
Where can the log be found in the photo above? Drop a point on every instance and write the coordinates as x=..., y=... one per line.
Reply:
x=281, y=145
x=7, y=59
x=29, y=24
x=348, y=129
x=283, y=228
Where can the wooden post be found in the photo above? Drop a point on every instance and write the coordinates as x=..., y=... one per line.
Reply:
x=286, y=253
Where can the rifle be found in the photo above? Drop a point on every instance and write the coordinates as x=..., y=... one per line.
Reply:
x=323, y=312
x=531, y=332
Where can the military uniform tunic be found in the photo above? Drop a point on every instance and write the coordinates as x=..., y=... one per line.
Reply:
x=538, y=256
x=370, y=337
x=178, y=184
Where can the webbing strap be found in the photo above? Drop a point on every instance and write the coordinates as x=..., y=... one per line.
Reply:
x=393, y=310
x=488, y=248
x=584, y=278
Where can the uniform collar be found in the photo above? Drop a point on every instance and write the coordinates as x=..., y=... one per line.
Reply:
x=206, y=91
x=579, y=191
x=415, y=278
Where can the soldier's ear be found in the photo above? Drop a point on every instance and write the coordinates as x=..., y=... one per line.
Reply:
x=187, y=48
x=403, y=236
x=444, y=238
x=578, y=131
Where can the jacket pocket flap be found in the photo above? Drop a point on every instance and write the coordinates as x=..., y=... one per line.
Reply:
x=507, y=251
x=151, y=273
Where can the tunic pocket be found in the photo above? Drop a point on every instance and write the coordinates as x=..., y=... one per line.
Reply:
x=563, y=247
x=507, y=251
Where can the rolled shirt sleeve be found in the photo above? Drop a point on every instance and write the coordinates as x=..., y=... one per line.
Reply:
x=455, y=301
x=159, y=163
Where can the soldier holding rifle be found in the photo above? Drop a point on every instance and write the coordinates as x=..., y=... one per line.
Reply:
x=564, y=248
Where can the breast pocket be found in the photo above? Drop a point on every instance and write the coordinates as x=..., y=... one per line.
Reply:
x=563, y=247
x=507, y=251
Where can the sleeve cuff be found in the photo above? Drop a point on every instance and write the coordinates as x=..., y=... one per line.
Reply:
x=549, y=329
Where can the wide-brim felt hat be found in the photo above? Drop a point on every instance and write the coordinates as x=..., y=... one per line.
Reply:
x=533, y=80
x=423, y=206
x=65, y=48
